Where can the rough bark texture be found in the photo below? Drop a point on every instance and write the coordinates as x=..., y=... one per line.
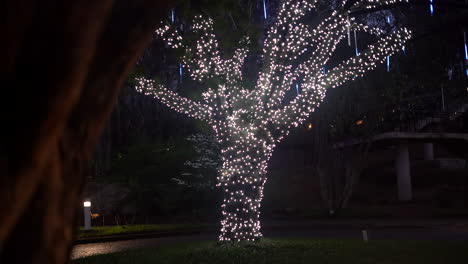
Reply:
x=63, y=64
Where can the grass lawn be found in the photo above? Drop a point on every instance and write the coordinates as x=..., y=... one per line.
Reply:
x=100, y=231
x=291, y=251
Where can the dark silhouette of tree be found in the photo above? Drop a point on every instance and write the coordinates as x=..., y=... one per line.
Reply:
x=63, y=63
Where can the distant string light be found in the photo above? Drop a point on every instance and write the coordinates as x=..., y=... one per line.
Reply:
x=249, y=123
x=172, y=16
x=264, y=10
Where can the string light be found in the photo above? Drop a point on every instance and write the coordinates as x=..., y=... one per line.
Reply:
x=264, y=10
x=249, y=124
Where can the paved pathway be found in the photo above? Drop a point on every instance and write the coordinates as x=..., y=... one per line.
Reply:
x=84, y=250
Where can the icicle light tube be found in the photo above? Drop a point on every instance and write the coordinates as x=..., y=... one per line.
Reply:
x=466, y=46
x=431, y=7
x=250, y=123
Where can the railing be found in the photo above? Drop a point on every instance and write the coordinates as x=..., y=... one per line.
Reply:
x=412, y=121
x=412, y=115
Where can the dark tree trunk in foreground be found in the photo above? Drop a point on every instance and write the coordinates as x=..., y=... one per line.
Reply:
x=63, y=63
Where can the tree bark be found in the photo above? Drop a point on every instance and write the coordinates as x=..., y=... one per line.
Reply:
x=241, y=212
x=245, y=168
x=64, y=63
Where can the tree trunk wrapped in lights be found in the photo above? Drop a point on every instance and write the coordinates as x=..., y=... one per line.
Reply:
x=250, y=123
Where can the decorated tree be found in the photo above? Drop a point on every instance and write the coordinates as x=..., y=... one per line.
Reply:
x=249, y=123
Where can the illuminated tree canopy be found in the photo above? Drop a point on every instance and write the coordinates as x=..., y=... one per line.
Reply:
x=249, y=123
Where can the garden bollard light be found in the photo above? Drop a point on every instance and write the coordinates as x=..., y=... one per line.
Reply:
x=365, y=235
x=87, y=215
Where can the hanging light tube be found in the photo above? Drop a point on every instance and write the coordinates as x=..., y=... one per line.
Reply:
x=180, y=71
x=388, y=63
x=466, y=47
x=431, y=7
x=349, y=32
x=355, y=43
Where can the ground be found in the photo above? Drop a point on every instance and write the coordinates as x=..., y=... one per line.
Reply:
x=291, y=251
x=437, y=232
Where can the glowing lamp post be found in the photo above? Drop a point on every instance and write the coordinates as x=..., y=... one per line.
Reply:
x=87, y=214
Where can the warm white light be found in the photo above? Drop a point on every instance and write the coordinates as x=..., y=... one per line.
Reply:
x=250, y=123
x=87, y=204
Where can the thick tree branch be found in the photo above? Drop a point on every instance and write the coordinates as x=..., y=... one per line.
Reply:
x=300, y=108
x=173, y=100
x=356, y=67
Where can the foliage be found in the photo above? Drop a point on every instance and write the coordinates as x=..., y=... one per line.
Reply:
x=144, y=160
x=146, y=168
x=137, y=72
x=200, y=173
